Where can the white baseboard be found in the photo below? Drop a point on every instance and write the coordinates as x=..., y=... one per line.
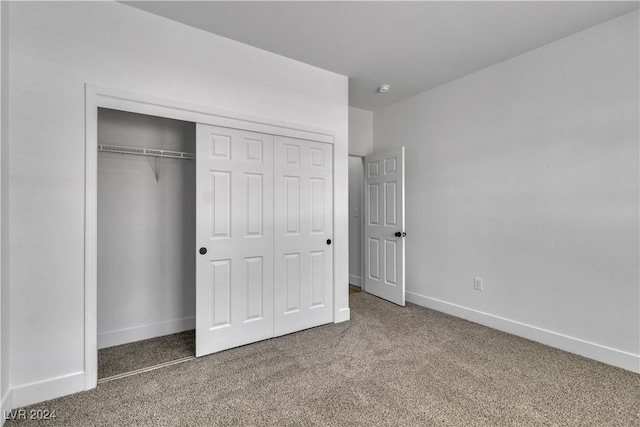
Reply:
x=6, y=405
x=137, y=333
x=343, y=315
x=588, y=349
x=355, y=280
x=48, y=389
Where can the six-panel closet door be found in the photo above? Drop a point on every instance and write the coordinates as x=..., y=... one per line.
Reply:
x=303, y=234
x=234, y=235
x=263, y=228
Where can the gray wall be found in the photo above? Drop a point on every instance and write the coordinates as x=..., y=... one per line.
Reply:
x=5, y=297
x=360, y=131
x=526, y=174
x=146, y=230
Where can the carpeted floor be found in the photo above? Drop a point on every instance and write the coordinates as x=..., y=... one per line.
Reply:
x=387, y=366
x=142, y=354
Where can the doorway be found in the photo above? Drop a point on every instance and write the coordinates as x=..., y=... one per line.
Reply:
x=356, y=224
x=146, y=235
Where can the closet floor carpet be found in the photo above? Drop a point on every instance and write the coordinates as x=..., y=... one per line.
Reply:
x=143, y=354
x=388, y=366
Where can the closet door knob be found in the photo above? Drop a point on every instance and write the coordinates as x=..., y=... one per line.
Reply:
x=328, y=241
x=203, y=251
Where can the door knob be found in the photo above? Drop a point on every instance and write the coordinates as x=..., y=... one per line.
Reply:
x=398, y=234
x=203, y=251
x=328, y=241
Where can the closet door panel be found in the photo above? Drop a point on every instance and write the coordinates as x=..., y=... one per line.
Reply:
x=220, y=293
x=254, y=199
x=221, y=204
x=303, y=264
x=234, y=224
x=254, y=281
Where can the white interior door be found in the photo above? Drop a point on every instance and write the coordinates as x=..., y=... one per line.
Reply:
x=234, y=225
x=303, y=234
x=384, y=225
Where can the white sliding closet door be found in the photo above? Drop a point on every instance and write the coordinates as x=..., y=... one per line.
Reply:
x=303, y=206
x=264, y=230
x=234, y=224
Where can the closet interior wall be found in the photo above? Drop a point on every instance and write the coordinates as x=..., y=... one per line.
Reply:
x=146, y=230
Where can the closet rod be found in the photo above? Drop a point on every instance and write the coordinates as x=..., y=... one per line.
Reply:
x=146, y=152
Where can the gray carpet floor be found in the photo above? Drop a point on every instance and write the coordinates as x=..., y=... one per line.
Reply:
x=387, y=366
x=142, y=354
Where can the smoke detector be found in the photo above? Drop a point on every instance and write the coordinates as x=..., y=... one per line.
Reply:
x=384, y=88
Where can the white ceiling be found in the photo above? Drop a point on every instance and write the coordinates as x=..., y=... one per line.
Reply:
x=412, y=46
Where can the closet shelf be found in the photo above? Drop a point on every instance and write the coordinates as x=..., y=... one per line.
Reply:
x=146, y=152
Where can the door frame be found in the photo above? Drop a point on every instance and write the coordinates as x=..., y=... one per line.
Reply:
x=116, y=99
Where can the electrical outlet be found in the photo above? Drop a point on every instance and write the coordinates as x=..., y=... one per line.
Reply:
x=477, y=283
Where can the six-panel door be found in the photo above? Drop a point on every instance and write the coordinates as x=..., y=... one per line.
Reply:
x=303, y=234
x=234, y=224
x=384, y=225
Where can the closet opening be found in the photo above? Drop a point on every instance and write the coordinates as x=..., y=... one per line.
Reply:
x=146, y=225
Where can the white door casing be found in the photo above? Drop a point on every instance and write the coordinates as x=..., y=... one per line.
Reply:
x=303, y=250
x=234, y=223
x=384, y=225
x=117, y=99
